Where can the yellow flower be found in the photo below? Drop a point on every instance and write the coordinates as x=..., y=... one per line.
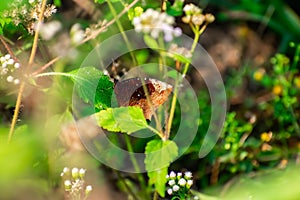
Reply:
x=259, y=74
x=297, y=82
x=266, y=137
x=277, y=90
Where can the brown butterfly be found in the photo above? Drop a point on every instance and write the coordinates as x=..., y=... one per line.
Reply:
x=130, y=92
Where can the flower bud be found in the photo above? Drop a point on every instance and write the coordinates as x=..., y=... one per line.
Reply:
x=175, y=188
x=68, y=185
x=82, y=172
x=88, y=189
x=75, y=173
x=209, y=18
x=182, y=182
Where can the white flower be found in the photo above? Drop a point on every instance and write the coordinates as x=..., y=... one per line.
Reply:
x=16, y=81
x=7, y=56
x=2, y=59
x=182, y=182
x=77, y=34
x=88, y=189
x=82, y=172
x=167, y=176
x=10, y=62
x=48, y=30
x=179, y=174
x=66, y=170
x=177, y=32
x=4, y=71
x=68, y=185
x=170, y=191
x=4, y=64
x=172, y=174
x=10, y=79
x=171, y=182
x=190, y=182
x=154, y=23
x=188, y=175
x=17, y=65
x=191, y=9
x=175, y=188
x=75, y=172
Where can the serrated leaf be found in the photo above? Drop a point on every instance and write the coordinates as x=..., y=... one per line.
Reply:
x=130, y=119
x=93, y=86
x=158, y=178
x=159, y=155
x=123, y=119
x=150, y=42
x=106, y=120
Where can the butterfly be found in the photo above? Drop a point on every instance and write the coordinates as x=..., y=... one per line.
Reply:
x=130, y=92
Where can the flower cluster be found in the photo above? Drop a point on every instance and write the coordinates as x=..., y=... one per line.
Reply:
x=179, y=184
x=8, y=66
x=77, y=34
x=28, y=13
x=194, y=15
x=175, y=49
x=74, y=183
x=154, y=23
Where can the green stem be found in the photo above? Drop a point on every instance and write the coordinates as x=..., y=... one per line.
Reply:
x=119, y=24
x=163, y=57
x=197, y=33
x=195, y=42
x=135, y=165
x=172, y=110
x=296, y=57
x=155, y=131
x=155, y=195
x=127, y=186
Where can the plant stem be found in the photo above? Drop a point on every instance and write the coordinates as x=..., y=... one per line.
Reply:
x=30, y=62
x=155, y=195
x=172, y=110
x=51, y=62
x=296, y=57
x=178, y=79
x=135, y=165
x=113, y=11
x=102, y=28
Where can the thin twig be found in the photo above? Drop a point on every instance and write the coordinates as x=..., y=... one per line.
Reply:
x=51, y=62
x=97, y=32
x=8, y=49
x=30, y=62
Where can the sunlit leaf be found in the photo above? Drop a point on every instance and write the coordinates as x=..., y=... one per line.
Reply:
x=123, y=119
x=159, y=155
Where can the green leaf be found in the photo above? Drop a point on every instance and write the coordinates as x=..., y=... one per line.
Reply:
x=130, y=119
x=123, y=119
x=151, y=42
x=4, y=5
x=158, y=178
x=159, y=155
x=176, y=9
x=106, y=120
x=93, y=86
